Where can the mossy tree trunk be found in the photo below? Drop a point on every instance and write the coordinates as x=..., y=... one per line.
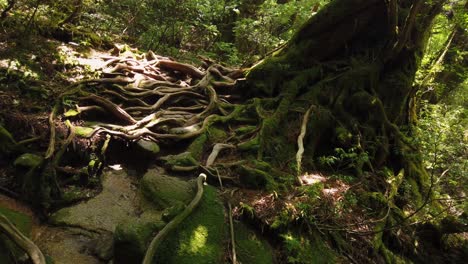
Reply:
x=354, y=63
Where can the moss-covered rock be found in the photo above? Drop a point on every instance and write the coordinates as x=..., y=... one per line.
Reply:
x=165, y=191
x=255, y=178
x=197, y=146
x=250, y=247
x=200, y=238
x=149, y=146
x=28, y=160
x=132, y=238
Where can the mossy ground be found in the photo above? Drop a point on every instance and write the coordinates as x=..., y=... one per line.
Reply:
x=250, y=247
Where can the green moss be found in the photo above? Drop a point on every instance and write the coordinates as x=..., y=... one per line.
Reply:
x=28, y=160
x=165, y=191
x=200, y=238
x=250, y=145
x=21, y=221
x=216, y=135
x=149, y=146
x=197, y=146
x=250, y=247
x=131, y=239
x=84, y=132
x=302, y=249
x=185, y=159
x=415, y=193
x=255, y=178
x=243, y=130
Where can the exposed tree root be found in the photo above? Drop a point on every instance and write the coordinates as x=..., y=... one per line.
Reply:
x=153, y=247
x=7, y=228
x=300, y=143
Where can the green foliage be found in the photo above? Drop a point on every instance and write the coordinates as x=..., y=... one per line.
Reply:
x=344, y=159
x=301, y=249
x=442, y=134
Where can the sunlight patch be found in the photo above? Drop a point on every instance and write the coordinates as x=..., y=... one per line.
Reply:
x=311, y=178
x=197, y=240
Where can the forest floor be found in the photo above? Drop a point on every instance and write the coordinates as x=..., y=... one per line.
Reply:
x=34, y=72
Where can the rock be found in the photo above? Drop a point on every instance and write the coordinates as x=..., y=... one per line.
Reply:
x=148, y=145
x=104, y=246
x=116, y=203
x=200, y=238
x=28, y=160
x=252, y=178
x=165, y=191
x=131, y=239
x=172, y=212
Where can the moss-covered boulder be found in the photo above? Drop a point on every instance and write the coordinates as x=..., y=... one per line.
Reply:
x=165, y=191
x=201, y=237
x=132, y=238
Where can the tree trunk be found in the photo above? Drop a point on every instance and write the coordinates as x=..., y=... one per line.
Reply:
x=353, y=64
